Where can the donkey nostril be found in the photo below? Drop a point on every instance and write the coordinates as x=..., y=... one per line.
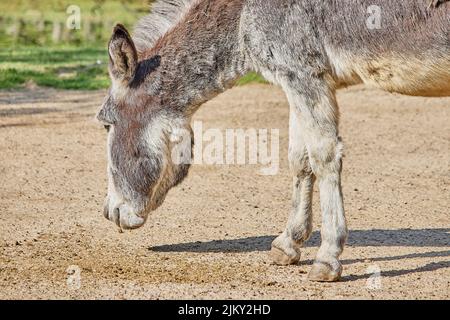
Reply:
x=106, y=211
x=116, y=216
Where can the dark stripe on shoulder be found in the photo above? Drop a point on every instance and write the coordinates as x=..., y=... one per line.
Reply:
x=144, y=68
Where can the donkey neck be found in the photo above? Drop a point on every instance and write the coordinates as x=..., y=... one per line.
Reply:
x=200, y=56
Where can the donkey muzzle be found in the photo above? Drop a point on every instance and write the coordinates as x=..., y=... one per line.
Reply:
x=124, y=217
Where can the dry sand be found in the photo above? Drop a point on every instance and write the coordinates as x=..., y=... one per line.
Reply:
x=210, y=238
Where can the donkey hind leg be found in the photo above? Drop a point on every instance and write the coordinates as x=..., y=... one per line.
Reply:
x=286, y=248
x=318, y=112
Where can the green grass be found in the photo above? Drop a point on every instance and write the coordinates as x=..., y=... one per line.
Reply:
x=77, y=61
x=32, y=22
x=125, y=10
x=63, y=68
x=83, y=68
x=251, y=77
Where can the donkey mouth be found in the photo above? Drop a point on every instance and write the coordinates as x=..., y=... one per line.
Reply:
x=124, y=217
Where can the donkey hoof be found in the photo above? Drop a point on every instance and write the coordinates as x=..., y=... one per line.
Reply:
x=279, y=257
x=324, y=272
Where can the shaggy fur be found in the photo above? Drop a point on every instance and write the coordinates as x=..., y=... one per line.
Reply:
x=165, y=14
x=186, y=52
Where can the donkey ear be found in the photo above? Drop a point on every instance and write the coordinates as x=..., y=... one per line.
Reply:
x=123, y=55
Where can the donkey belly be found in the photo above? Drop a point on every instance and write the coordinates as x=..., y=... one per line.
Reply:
x=427, y=76
x=410, y=54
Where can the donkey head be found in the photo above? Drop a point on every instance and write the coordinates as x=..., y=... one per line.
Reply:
x=149, y=143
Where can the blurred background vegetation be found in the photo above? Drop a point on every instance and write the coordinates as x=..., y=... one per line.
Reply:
x=37, y=47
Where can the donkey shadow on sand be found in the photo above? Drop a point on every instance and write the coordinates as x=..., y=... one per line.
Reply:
x=357, y=238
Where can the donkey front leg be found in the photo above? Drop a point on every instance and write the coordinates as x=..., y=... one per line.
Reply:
x=318, y=113
x=286, y=248
x=325, y=155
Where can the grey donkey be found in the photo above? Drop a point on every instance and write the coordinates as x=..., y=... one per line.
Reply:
x=188, y=51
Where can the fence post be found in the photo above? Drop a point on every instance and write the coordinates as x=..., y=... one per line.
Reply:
x=57, y=31
x=40, y=25
x=87, y=32
x=15, y=29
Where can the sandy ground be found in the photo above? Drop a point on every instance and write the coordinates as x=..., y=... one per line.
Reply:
x=210, y=238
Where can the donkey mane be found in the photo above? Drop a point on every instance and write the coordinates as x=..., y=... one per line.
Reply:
x=164, y=15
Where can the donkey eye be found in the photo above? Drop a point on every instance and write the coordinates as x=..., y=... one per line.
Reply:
x=107, y=127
